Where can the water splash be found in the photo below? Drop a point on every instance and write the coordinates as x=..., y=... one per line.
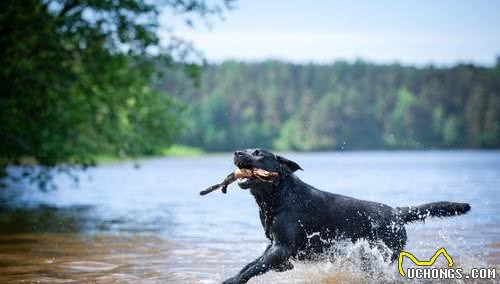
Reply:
x=358, y=262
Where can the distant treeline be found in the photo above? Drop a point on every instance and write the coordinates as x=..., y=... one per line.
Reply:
x=339, y=106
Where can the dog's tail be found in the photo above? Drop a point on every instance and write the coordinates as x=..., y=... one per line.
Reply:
x=435, y=209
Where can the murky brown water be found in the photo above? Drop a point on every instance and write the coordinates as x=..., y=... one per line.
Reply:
x=62, y=258
x=149, y=225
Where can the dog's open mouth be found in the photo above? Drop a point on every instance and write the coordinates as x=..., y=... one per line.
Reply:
x=247, y=177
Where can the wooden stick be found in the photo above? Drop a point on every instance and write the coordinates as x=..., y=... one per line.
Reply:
x=223, y=185
x=261, y=174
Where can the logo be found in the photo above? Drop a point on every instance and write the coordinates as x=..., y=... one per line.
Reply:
x=423, y=263
x=423, y=270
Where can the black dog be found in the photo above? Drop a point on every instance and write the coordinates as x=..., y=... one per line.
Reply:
x=298, y=218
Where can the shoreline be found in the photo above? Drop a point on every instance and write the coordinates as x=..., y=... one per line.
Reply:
x=104, y=160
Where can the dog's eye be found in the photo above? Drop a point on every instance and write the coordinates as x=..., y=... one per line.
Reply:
x=256, y=153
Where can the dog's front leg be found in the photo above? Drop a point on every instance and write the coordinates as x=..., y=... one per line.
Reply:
x=274, y=257
x=255, y=261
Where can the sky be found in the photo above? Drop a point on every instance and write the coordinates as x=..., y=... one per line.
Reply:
x=419, y=32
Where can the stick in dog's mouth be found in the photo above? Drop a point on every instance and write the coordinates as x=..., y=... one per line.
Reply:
x=241, y=174
x=254, y=173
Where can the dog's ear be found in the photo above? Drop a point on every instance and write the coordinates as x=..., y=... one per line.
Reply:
x=289, y=164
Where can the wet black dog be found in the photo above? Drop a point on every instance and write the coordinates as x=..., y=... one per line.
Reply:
x=301, y=221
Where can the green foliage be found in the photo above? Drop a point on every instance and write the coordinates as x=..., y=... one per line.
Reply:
x=182, y=150
x=341, y=106
x=76, y=81
x=450, y=131
x=402, y=122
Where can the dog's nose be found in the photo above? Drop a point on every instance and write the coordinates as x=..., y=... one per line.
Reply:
x=238, y=153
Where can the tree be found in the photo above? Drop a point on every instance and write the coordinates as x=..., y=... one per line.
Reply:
x=76, y=81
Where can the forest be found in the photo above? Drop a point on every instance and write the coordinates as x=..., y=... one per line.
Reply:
x=86, y=79
x=339, y=106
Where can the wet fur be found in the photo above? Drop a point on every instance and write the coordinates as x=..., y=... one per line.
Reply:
x=303, y=222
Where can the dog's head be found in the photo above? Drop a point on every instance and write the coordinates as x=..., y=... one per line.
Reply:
x=252, y=159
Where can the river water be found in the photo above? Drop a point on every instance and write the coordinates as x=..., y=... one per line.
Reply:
x=147, y=224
